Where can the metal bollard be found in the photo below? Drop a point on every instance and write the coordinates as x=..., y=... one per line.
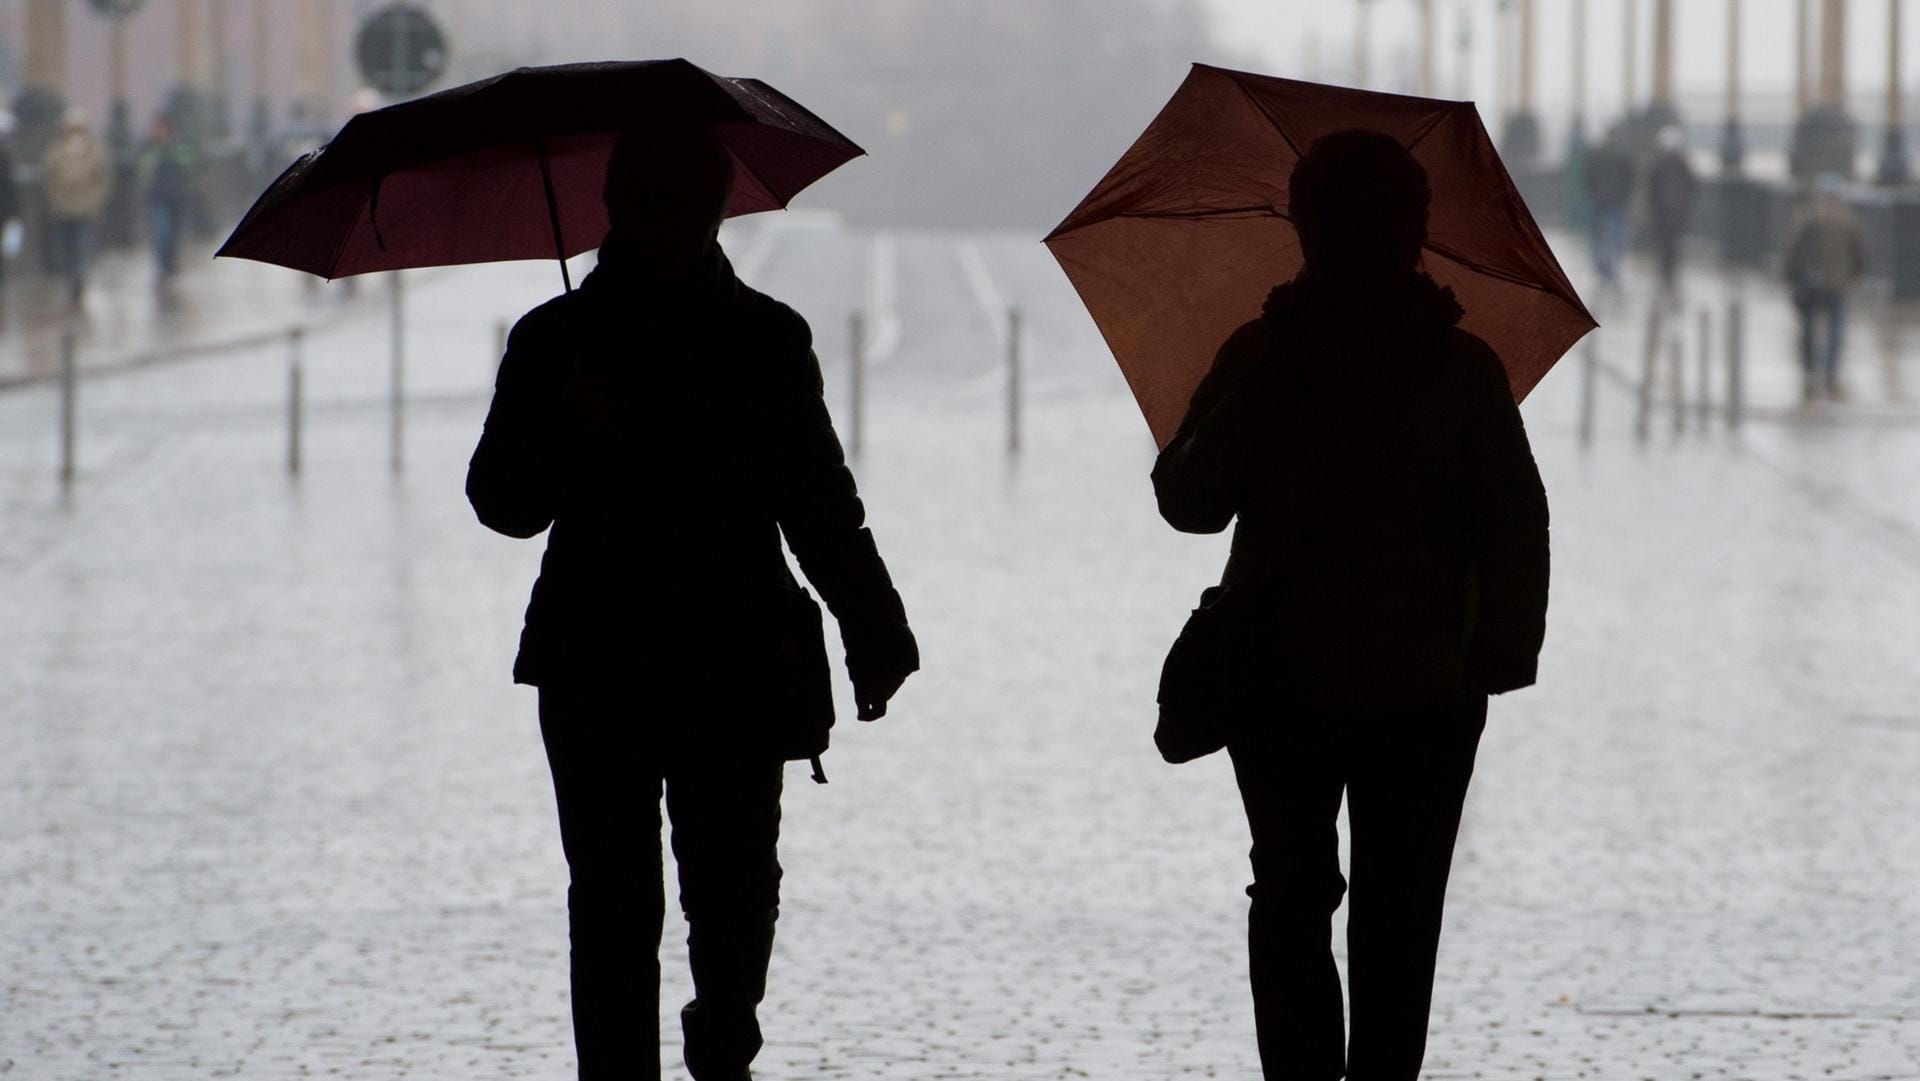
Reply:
x=1013, y=380
x=1649, y=353
x=1589, y=381
x=396, y=389
x=295, y=399
x=69, y=405
x=1676, y=377
x=856, y=378
x=1705, y=405
x=1736, y=361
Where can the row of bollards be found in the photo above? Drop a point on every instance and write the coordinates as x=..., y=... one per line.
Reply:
x=1663, y=357
x=295, y=337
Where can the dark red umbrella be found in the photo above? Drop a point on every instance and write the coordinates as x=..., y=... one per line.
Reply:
x=511, y=167
x=1180, y=242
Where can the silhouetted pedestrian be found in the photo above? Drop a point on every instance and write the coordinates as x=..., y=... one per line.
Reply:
x=9, y=192
x=1390, y=563
x=1609, y=177
x=78, y=179
x=1671, y=187
x=665, y=424
x=1825, y=255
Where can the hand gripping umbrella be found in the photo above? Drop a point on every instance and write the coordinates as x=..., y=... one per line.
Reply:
x=512, y=167
x=1179, y=243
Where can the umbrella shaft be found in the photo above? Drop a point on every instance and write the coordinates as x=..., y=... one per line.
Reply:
x=553, y=213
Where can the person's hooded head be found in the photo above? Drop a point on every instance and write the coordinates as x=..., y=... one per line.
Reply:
x=1358, y=200
x=668, y=192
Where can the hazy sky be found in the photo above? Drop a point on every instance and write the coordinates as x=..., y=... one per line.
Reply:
x=1286, y=34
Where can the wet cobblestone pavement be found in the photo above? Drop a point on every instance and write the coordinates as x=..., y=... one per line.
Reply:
x=269, y=806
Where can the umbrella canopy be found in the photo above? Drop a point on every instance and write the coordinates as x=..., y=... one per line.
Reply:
x=1180, y=242
x=512, y=167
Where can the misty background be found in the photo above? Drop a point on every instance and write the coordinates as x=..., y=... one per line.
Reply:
x=990, y=112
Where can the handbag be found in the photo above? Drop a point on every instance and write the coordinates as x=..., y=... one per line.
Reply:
x=1222, y=671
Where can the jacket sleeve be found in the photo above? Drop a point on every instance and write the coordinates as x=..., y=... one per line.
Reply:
x=510, y=479
x=1508, y=535
x=1194, y=476
x=821, y=515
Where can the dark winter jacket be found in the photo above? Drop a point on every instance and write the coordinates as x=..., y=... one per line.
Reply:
x=1670, y=190
x=9, y=188
x=1609, y=175
x=1387, y=497
x=668, y=434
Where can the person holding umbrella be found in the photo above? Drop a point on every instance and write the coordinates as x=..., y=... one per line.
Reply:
x=664, y=423
x=1393, y=537
x=1389, y=569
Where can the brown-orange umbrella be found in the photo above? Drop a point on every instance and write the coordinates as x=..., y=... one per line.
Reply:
x=1179, y=243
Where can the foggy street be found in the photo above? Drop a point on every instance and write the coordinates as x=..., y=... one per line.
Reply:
x=271, y=806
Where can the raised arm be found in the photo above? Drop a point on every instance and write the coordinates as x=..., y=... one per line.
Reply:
x=510, y=481
x=1193, y=476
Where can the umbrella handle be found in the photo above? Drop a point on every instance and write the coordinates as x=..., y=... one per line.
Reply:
x=553, y=212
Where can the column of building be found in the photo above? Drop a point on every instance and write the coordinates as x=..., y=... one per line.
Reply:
x=1521, y=140
x=1824, y=138
x=1893, y=147
x=1732, y=140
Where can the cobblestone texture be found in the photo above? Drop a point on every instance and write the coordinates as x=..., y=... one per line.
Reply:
x=270, y=808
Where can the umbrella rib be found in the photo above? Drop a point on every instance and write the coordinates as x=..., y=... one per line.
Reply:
x=1265, y=210
x=340, y=247
x=757, y=178
x=1491, y=272
x=1269, y=117
x=1425, y=130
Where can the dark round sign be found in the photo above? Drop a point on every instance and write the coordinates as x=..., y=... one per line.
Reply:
x=400, y=50
x=116, y=9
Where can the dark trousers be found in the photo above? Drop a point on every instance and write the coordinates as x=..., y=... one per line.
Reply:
x=165, y=220
x=1823, y=325
x=1405, y=776
x=73, y=248
x=608, y=775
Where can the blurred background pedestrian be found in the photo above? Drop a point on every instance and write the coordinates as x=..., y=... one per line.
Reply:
x=1609, y=176
x=9, y=196
x=1825, y=255
x=168, y=168
x=1670, y=191
x=79, y=178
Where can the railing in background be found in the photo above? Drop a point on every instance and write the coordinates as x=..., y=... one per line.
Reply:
x=1663, y=355
x=296, y=338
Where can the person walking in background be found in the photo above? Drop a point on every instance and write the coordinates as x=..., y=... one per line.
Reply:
x=1391, y=564
x=1609, y=177
x=1671, y=187
x=1825, y=256
x=9, y=196
x=168, y=167
x=664, y=424
x=78, y=178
